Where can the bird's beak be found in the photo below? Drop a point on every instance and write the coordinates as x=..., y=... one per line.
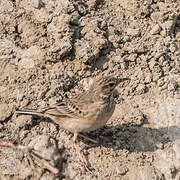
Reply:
x=122, y=80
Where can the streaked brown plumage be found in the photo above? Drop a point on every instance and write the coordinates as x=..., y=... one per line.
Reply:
x=86, y=112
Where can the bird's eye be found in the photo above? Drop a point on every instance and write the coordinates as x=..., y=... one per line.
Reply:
x=111, y=84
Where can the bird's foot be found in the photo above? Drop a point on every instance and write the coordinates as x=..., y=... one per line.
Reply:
x=82, y=159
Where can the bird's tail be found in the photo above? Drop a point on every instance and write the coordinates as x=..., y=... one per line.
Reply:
x=30, y=112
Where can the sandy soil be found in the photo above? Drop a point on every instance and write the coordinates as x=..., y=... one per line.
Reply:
x=51, y=49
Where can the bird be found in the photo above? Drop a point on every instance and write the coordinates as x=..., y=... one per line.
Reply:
x=85, y=112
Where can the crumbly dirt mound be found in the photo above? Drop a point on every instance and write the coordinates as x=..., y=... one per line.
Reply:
x=53, y=49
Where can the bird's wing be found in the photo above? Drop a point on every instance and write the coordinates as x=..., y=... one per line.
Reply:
x=70, y=108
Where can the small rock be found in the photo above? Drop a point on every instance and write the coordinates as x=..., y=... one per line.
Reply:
x=45, y=147
x=133, y=32
x=29, y=56
x=122, y=170
x=35, y=3
x=155, y=30
x=160, y=145
x=42, y=15
x=26, y=63
x=5, y=111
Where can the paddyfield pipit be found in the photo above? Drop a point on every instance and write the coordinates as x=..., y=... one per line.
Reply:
x=85, y=112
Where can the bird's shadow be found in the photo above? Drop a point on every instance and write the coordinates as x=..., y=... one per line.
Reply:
x=134, y=138
x=125, y=136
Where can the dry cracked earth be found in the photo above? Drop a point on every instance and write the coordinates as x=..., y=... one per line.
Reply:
x=50, y=50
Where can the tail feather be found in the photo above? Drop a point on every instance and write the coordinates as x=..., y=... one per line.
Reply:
x=30, y=112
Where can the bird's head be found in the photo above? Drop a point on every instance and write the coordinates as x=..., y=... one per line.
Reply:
x=106, y=85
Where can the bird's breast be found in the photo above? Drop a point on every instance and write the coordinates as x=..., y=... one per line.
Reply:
x=105, y=114
x=101, y=114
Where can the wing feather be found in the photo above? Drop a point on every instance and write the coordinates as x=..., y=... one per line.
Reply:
x=64, y=110
x=76, y=107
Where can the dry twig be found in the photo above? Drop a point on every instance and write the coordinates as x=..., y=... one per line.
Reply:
x=30, y=154
x=44, y=163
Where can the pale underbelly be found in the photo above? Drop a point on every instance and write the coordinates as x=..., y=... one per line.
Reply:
x=89, y=124
x=75, y=126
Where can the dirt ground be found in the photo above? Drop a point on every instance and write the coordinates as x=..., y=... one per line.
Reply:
x=50, y=50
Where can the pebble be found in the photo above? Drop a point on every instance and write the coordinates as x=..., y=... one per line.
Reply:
x=35, y=3
x=155, y=29
x=122, y=170
x=26, y=63
x=29, y=57
x=5, y=111
x=133, y=32
x=45, y=147
x=160, y=145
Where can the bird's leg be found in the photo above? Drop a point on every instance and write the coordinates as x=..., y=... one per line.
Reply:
x=75, y=137
x=77, y=149
x=85, y=137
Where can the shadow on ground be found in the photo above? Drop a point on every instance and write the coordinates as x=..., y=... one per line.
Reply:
x=135, y=138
